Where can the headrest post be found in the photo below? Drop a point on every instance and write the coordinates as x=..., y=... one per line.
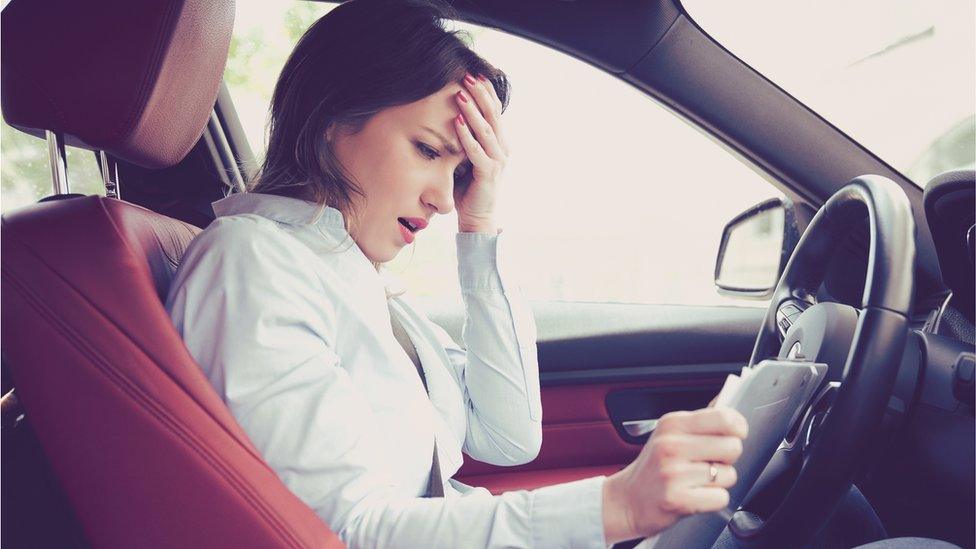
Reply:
x=224, y=155
x=59, y=161
x=110, y=175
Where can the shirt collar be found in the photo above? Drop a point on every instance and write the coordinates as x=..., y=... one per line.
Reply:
x=279, y=208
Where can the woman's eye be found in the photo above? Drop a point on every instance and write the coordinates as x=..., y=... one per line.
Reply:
x=428, y=152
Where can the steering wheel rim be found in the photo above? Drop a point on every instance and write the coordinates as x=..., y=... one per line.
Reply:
x=859, y=402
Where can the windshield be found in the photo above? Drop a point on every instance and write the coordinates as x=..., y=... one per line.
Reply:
x=899, y=77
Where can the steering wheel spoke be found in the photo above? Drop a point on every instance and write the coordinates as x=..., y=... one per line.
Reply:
x=813, y=420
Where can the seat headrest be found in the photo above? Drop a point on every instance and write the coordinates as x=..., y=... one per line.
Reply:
x=135, y=79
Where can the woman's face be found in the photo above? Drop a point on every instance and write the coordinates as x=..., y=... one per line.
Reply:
x=404, y=159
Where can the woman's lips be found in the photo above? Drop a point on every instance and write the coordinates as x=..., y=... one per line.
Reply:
x=409, y=226
x=405, y=233
x=418, y=223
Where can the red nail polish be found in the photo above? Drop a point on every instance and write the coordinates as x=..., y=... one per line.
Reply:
x=469, y=79
x=483, y=78
x=460, y=95
x=460, y=119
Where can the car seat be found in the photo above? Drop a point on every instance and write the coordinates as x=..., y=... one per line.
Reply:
x=144, y=449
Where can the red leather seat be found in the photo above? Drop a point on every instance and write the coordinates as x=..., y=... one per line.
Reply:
x=144, y=449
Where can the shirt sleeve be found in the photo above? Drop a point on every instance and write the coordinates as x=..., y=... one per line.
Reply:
x=256, y=320
x=499, y=365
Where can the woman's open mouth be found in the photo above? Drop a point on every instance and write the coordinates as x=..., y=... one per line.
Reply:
x=409, y=226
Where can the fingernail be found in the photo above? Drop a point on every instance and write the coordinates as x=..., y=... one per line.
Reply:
x=461, y=96
x=483, y=78
x=469, y=79
x=460, y=119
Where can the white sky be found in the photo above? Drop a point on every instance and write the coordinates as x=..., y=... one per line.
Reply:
x=896, y=103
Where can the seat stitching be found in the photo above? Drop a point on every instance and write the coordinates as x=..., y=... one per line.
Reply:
x=155, y=408
x=145, y=267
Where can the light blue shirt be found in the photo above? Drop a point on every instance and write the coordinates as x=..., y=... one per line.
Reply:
x=290, y=322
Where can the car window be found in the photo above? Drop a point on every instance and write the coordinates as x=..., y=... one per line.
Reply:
x=608, y=196
x=898, y=77
x=26, y=174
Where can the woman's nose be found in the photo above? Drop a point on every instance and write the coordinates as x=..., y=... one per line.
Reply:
x=439, y=195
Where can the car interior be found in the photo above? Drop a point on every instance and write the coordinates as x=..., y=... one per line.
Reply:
x=113, y=437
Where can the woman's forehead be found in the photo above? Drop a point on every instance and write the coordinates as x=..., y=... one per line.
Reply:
x=436, y=110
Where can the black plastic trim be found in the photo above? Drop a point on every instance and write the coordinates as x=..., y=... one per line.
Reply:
x=640, y=373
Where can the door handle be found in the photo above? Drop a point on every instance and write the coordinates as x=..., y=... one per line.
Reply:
x=639, y=427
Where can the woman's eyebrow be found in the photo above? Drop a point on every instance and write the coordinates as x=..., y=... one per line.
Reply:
x=450, y=146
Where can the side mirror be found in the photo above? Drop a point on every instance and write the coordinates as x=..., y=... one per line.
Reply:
x=755, y=247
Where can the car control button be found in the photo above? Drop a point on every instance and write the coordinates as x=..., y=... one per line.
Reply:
x=962, y=383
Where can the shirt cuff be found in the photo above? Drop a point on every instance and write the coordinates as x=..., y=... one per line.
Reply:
x=477, y=255
x=569, y=515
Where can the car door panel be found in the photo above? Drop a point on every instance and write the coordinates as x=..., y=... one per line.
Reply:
x=580, y=436
x=603, y=364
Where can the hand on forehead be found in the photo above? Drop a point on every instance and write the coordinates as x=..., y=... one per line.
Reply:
x=438, y=111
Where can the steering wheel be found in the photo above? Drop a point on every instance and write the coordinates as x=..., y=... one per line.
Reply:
x=815, y=466
x=805, y=478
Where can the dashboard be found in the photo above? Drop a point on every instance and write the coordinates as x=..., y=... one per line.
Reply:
x=950, y=211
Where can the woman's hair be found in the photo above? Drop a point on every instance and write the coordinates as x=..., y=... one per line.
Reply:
x=362, y=57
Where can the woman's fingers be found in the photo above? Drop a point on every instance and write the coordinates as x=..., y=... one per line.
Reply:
x=681, y=500
x=478, y=126
x=705, y=448
x=725, y=475
x=496, y=118
x=699, y=473
x=491, y=92
x=476, y=154
x=707, y=421
x=484, y=98
x=707, y=499
x=489, y=108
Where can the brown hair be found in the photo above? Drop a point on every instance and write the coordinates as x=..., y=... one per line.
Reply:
x=362, y=57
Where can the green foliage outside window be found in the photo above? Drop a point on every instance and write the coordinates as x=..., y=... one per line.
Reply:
x=26, y=173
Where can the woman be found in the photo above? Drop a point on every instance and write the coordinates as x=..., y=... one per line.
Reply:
x=380, y=120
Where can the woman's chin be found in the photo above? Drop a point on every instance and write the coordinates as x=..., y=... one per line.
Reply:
x=384, y=255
